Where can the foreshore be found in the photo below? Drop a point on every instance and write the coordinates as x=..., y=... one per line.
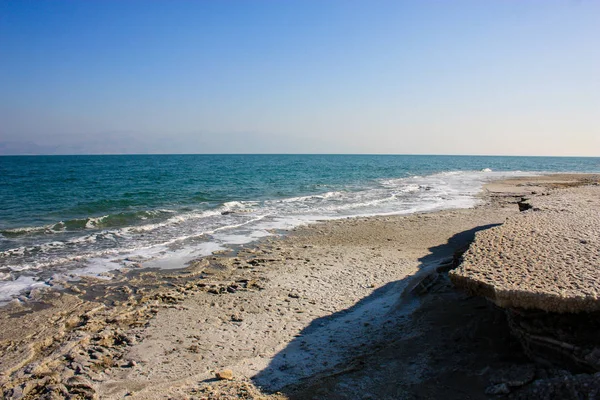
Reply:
x=351, y=308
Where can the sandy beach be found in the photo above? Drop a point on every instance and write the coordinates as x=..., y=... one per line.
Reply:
x=299, y=200
x=341, y=309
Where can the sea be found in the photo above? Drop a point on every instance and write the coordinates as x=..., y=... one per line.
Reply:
x=62, y=217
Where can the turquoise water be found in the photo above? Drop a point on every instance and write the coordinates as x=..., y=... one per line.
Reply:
x=63, y=216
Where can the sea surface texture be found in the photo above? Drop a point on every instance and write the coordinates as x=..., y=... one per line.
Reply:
x=66, y=216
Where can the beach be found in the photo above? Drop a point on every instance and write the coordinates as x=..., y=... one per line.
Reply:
x=358, y=307
x=299, y=200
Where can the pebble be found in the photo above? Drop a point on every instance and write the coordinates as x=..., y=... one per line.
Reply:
x=225, y=374
x=237, y=318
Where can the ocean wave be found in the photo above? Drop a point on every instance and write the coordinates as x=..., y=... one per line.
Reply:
x=450, y=173
x=406, y=183
x=238, y=206
x=54, y=247
x=175, y=220
x=30, y=230
x=225, y=227
x=55, y=263
x=302, y=199
x=225, y=209
x=412, y=188
x=79, y=224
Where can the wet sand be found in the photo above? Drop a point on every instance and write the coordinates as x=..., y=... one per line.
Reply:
x=353, y=308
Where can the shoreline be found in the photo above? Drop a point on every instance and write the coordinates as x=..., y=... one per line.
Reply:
x=283, y=312
x=178, y=236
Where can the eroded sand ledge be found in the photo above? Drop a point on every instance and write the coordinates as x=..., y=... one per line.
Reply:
x=318, y=314
x=546, y=258
x=542, y=267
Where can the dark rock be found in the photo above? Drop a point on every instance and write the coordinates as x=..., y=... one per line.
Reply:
x=582, y=386
x=524, y=204
x=565, y=340
x=501, y=388
x=514, y=376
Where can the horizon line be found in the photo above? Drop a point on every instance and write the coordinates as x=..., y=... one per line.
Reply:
x=288, y=154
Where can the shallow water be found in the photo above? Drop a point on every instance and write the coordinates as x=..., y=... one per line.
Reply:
x=64, y=216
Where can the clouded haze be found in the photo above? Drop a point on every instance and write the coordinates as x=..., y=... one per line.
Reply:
x=437, y=77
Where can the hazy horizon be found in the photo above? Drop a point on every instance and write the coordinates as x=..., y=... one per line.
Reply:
x=286, y=154
x=300, y=77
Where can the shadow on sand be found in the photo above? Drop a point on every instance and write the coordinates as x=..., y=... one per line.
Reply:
x=333, y=345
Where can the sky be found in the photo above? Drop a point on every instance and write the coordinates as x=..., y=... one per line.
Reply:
x=504, y=77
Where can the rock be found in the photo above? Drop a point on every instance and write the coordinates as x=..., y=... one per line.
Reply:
x=501, y=388
x=566, y=340
x=194, y=348
x=225, y=374
x=82, y=387
x=564, y=386
x=77, y=381
x=78, y=368
x=58, y=390
x=237, y=318
x=17, y=393
x=515, y=375
x=524, y=204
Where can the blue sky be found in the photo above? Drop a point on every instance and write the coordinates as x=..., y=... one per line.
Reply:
x=437, y=77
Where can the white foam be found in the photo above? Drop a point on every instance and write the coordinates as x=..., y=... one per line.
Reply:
x=96, y=267
x=28, y=229
x=181, y=258
x=237, y=205
x=175, y=220
x=309, y=198
x=10, y=289
x=238, y=239
x=329, y=195
x=93, y=222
